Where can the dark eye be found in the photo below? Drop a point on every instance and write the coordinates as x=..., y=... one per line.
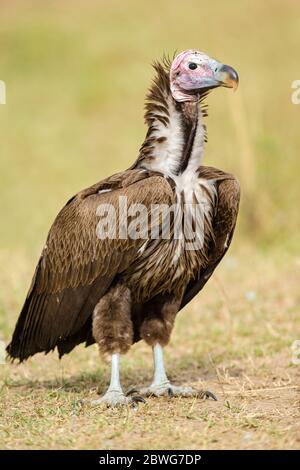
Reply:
x=193, y=66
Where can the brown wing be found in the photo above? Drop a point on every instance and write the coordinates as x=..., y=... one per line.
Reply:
x=228, y=190
x=76, y=268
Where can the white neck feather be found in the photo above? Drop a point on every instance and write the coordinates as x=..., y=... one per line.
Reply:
x=169, y=144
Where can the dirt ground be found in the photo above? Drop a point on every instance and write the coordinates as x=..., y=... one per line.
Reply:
x=234, y=339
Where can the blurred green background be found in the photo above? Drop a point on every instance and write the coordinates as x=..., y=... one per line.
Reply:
x=76, y=75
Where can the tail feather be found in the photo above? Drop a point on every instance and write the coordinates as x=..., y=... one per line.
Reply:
x=62, y=320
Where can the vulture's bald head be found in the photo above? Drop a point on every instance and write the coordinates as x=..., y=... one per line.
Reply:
x=192, y=72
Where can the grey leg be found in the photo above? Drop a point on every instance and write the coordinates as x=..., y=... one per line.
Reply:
x=161, y=386
x=114, y=396
x=160, y=379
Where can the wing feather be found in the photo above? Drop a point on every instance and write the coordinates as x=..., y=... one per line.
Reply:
x=76, y=268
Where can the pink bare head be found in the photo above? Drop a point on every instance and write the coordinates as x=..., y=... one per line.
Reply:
x=193, y=72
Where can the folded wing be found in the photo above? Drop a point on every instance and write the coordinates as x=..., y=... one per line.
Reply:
x=76, y=268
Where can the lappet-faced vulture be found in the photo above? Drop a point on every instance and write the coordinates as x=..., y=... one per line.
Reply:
x=124, y=256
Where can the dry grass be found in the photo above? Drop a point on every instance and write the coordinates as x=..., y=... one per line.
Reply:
x=237, y=344
x=76, y=75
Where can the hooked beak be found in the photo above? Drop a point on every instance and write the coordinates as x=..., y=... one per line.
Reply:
x=226, y=76
x=219, y=75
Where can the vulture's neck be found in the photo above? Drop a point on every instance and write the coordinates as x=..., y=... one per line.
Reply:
x=176, y=134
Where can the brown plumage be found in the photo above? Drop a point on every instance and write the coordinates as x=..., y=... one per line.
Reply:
x=118, y=291
x=112, y=323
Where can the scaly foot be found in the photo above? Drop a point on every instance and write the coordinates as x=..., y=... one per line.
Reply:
x=167, y=389
x=116, y=398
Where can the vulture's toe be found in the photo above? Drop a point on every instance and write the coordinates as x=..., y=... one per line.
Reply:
x=116, y=399
x=169, y=390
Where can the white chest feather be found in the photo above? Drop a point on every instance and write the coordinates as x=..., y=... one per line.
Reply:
x=195, y=201
x=195, y=197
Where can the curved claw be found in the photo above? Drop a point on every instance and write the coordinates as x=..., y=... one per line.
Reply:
x=131, y=391
x=135, y=399
x=170, y=392
x=207, y=394
x=138, y=399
